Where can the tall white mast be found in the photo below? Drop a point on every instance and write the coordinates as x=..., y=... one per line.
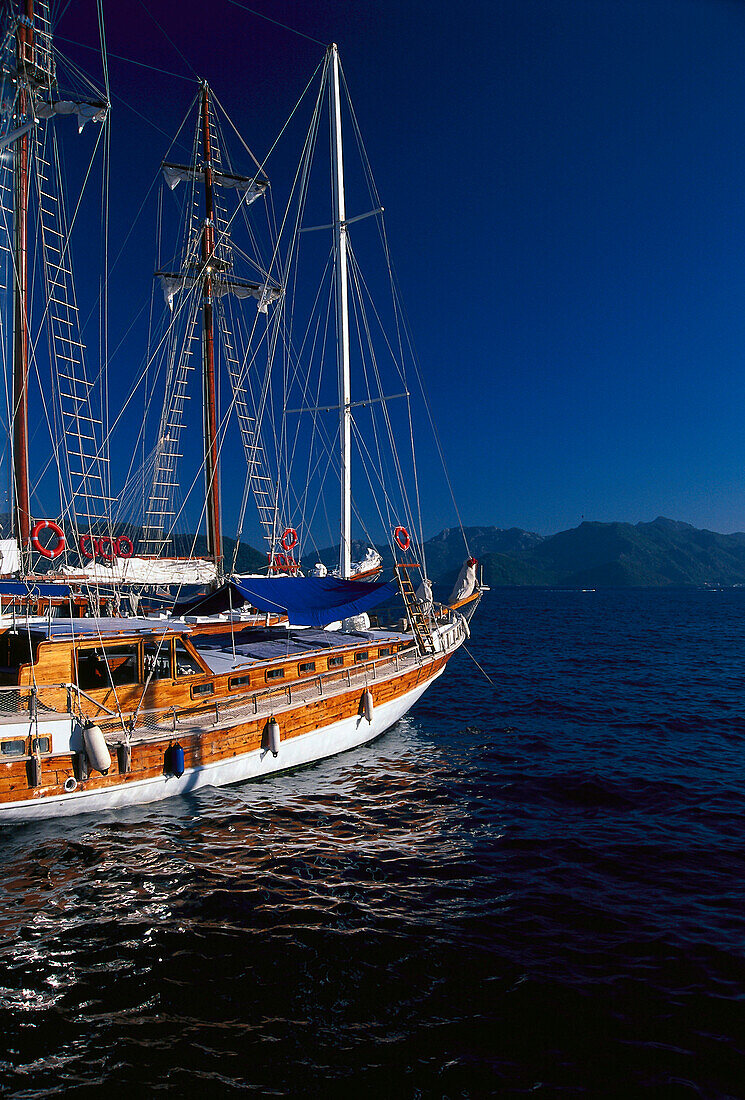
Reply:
x=342, y=325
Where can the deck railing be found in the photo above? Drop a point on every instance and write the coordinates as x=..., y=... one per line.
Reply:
x=37, y=701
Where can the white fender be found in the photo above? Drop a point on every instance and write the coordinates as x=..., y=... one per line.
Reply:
x=273, y=735
x=97, y=749
x=367, y=705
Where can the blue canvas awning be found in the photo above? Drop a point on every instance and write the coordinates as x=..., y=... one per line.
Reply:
x=306, y=601
x=18, y=588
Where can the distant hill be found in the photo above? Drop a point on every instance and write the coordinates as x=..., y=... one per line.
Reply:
x=664, y=552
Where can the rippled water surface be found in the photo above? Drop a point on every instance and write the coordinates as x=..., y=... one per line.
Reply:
x=531, y=886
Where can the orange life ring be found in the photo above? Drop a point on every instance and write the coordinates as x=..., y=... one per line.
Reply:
x=289, y=539
x=123, y=543
x=105, y=547
x=48, y=551
x=401, y=535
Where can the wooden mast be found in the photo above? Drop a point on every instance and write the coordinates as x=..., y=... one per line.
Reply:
x=211, y=471
x=342, y=324
x=21, y=494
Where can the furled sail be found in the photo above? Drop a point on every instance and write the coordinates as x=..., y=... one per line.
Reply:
x=146, y=571
x=264, y=293
x=85, y=110
x=253, y=186
x=465, y=583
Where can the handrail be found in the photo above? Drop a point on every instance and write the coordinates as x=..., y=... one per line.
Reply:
x=90, y=699
x=265, y=699
x=340, y=679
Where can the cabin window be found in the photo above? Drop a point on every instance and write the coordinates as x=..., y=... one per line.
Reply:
x=305, y=667
x=335, y=662
x=186, y=665
x=238, y=682
x=361, y=655
x=275, y=674
x=18, y=649
x=156, y=660
x=107, y=667
x=13, y=748
x=202, y=689
x=40, y=744
x=384, y=652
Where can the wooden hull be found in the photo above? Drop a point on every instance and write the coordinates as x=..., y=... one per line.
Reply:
x=216, y=754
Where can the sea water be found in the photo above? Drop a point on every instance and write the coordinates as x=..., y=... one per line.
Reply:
x=533, y=883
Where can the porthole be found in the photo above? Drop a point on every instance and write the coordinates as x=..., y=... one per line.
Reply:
x=13, y=748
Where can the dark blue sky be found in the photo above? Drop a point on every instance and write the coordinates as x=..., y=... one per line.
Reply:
x=564, y=184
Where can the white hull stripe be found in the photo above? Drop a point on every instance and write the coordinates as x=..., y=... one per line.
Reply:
x=305, y=748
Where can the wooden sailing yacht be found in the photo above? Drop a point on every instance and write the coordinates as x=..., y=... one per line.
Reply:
x=100, y=712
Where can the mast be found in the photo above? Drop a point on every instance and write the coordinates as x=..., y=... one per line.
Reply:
x=211, y=471
x=22, y=506
x=342, y=324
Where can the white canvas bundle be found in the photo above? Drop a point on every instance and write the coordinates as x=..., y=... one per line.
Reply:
x=465, y=583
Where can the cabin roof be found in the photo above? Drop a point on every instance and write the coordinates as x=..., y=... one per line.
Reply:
x=73, y=629
x=264, y=645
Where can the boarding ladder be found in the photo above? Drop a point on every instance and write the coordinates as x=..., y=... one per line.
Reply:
x=418, y=618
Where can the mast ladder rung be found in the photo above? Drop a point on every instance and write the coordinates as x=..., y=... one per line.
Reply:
x=81, y=437
x=75, y=378
x=68, y=340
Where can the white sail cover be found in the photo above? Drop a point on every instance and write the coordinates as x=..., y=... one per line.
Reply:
x=146, y=571
x=424, y=594
x=174, y=174
x=264, y=294
x=10, y=557
x=465, y=583
x=86, y=112
x=371, y=562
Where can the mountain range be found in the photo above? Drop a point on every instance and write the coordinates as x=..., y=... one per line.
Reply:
x=596, y=555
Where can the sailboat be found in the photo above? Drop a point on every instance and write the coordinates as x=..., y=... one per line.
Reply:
x=103, y=712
